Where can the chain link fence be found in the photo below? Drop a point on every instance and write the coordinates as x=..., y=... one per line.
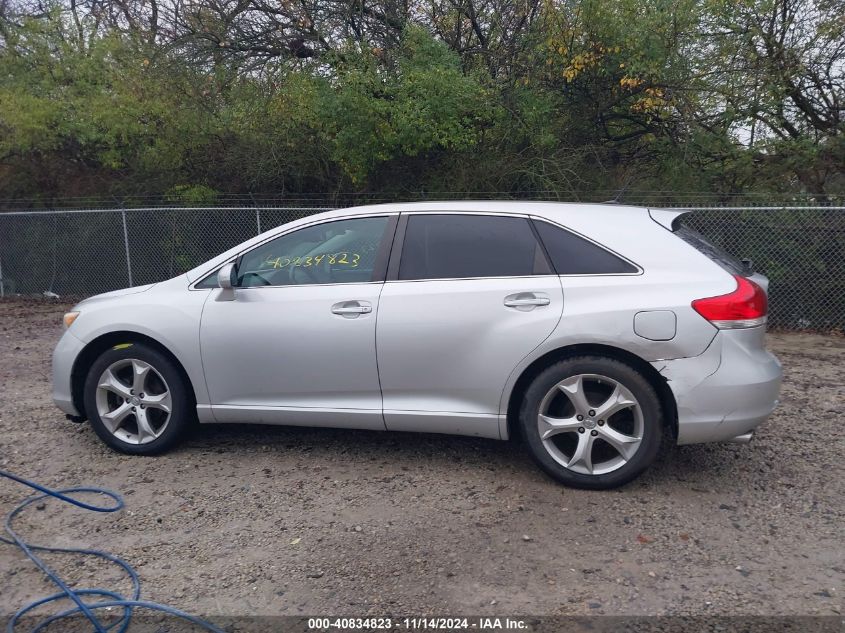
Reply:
x=84, y=252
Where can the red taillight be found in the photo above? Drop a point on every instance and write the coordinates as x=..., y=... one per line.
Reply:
x=744, y=307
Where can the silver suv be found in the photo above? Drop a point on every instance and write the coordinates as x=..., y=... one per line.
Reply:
x=591, y=331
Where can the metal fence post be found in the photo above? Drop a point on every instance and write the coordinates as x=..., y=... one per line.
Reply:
x=258, y=220
x=2, y=281
x=126, y=245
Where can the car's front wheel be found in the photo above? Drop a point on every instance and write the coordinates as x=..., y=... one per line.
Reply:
x=137, y=400
x=592, y=422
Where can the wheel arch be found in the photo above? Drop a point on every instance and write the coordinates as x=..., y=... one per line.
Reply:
x=664, y=393
x=96, y=347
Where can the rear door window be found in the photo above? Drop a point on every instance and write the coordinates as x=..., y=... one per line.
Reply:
x=572, y=254
x=454, y=246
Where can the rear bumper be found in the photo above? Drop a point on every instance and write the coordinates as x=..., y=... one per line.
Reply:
x=727, y=391
x=64, y=356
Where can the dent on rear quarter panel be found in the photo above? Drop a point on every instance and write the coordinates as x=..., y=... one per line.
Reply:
x=684, y=374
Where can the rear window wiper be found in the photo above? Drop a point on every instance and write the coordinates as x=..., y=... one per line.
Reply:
x=747, y=266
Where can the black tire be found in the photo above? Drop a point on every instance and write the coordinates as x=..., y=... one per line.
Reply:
x=625, y=375
x=182, y=413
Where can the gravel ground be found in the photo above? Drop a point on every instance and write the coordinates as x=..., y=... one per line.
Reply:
x=287, y=521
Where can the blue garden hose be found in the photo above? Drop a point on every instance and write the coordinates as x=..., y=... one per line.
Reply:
x=106, y=597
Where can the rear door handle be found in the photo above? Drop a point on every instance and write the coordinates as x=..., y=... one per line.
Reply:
x=527, y=300
x=537, y=301
x=351, y=309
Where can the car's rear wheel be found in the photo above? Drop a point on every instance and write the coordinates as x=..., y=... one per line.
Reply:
x=137, y=400
x=592, y=422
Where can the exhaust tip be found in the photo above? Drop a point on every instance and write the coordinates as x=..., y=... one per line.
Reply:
x=742, y=439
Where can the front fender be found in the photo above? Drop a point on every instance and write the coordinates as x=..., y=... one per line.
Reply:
x=169, y=314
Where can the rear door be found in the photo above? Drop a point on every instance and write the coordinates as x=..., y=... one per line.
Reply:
x=467, y=297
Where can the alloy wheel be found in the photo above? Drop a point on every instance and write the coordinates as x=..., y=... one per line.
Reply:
x=590, y=424
x=133, y=401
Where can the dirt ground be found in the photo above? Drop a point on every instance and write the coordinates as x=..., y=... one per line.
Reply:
x=273, y=520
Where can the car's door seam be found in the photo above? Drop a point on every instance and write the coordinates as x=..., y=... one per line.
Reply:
x=393, y=239
x=202, y=356
x=503, y=401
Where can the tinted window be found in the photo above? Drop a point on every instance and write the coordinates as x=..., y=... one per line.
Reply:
x=458, y=246
x=209, y=281
x=718, y=255
x=333, y=252
x=573, y=255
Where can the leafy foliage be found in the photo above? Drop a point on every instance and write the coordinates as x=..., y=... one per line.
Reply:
x=187, y=99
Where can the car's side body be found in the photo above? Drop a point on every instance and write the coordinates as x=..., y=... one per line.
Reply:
x=442, y=355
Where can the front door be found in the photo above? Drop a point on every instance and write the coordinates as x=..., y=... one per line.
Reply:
x=296, y=344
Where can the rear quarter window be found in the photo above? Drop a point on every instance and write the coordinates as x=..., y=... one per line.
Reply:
x=572, y=254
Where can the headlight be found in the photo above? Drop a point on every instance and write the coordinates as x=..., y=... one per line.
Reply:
x=69, y=318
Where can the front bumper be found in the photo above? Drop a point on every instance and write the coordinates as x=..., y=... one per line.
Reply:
x=64, y=356
x=727, y=391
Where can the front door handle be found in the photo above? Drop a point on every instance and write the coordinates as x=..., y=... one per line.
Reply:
x=526, y=300
x=351, y=309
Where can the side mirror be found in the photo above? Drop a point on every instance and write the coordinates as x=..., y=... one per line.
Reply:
x=227, y=276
